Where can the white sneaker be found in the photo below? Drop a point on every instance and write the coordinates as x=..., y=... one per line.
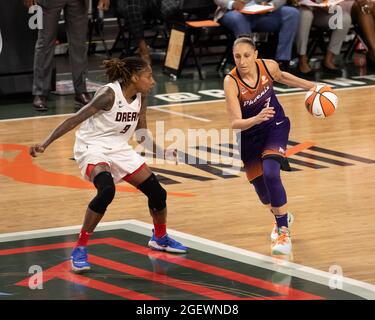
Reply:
x=283, y=243
x=274, y=233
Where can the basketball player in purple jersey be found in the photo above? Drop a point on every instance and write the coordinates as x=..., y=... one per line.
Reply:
x=105, y=157
x=254, y=109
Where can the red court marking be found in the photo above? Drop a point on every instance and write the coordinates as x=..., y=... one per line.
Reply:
x=290, y=293
x=163, y=279
x=224, y=273
x=62, y=271
x=46, y=247
x=299, y=147
x=22, y=169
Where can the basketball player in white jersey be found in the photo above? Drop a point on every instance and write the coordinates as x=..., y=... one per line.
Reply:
x=104, y=156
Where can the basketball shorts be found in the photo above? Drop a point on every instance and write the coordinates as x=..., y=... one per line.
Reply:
x=123, y=162
x=270, y=142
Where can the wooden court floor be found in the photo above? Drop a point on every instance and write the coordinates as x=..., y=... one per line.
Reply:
x=331, y=191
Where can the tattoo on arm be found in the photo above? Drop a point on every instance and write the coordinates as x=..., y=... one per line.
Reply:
x=102, y=101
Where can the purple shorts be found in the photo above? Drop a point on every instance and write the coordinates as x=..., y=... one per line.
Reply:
x=270, y=142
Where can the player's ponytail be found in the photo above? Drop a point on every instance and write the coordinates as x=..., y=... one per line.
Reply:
x=122, y=69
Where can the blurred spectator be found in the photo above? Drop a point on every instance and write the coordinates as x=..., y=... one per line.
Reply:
x=363, y=14
x=283, y=20
x=134, y=12
x=76, y=21
x=320, y=17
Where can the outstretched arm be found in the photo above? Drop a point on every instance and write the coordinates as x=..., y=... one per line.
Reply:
x=287, y=78
x=103, y=100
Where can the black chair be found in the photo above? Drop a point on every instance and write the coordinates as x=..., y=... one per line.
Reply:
x=319, y=39
x=154, y=29
x=124, y=37
x=96, y=24
x=202, y=32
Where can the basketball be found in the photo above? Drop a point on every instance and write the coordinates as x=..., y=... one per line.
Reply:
x=321, y=101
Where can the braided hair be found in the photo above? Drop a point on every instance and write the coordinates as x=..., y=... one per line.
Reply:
x=123, y=69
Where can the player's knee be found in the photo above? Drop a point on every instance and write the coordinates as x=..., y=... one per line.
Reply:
x=263, y=197
x=261, y=189
x=106, y=192
x=271, y=171
x=271, y=176
x=156, y=194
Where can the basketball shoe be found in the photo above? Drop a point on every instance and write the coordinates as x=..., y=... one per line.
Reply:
x=78, y=259
x=275, y=233
x=166, y=243
x=283, y=243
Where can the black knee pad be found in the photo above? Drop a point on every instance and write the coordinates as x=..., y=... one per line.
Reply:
x=106, y=191
x=155, y=193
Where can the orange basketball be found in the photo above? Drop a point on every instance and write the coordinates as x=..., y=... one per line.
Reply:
x=321, y=101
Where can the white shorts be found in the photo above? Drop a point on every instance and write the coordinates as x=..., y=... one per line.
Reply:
x=123, y=162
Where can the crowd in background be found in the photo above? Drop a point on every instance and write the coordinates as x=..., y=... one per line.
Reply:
x=291, y=20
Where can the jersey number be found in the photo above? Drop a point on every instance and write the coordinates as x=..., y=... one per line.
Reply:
x=267, y=103
x=127, y=127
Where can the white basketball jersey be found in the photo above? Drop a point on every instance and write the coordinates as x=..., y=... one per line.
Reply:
x=113, y=128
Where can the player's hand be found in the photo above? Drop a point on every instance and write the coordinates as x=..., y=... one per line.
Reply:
x=266, y=114
x=314, y=88
x=29, y=3
x=103, y=4
x=238, y=5
x=35, y=149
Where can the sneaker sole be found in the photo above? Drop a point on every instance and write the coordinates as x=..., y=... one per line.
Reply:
x=275, y=252
x=154, y=246
x=79, y=270
x=279, y=253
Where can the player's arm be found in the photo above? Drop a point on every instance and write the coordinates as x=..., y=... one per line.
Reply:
x=287, y=78
x=142, y=133
x=103, y=100
x=142, y=120
x=234, y=109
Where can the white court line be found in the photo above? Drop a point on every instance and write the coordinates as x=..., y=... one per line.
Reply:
x=185, y=103
x=183, y=115
x=150, y=107
x=349, y=285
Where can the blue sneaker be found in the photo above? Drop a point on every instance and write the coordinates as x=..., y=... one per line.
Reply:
x=78, y=259
x=167, y=244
